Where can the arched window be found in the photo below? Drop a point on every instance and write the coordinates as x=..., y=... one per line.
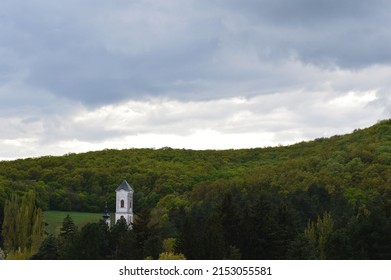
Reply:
x=122, y=203
x=130, y=204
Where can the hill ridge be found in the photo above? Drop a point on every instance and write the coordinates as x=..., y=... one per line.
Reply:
x=83, y=182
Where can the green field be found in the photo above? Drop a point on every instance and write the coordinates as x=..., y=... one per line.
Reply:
x=54, y=219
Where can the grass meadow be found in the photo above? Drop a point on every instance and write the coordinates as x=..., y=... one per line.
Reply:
x=54, y=219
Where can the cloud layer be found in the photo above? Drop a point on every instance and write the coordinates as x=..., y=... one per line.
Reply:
x=86, y=74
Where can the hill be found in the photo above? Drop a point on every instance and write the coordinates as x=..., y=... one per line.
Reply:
x=275, y=202
x=358, y=163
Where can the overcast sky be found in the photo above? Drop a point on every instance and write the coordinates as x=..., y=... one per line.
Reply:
x=82, y=75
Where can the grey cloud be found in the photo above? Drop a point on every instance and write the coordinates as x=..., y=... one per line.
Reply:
x=348, y=33
x=99, y=52
x=58, y=59
x=306, y=11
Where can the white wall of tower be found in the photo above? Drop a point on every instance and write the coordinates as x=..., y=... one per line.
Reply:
x=124, y=206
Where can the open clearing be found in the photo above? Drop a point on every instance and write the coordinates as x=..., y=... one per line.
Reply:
x=54, y=219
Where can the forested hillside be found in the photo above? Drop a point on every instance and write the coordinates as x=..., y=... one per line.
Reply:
x=327, y=198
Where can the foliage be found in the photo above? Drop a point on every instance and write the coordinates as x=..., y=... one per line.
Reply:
x=319, y=233
x=49, y=249
x=171, y=256
x=23, y=226
x=328, y=198
x=2, y=255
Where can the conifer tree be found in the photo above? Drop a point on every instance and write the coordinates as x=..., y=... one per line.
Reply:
x=48, y=250
x=229, y=213
x=68, y=228
x=213, y=239
x=68, y=239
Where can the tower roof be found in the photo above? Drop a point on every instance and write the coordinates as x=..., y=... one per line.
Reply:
x=124, y=186
x=106, y=214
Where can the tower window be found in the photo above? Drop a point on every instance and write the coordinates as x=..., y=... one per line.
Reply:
x=122, y=203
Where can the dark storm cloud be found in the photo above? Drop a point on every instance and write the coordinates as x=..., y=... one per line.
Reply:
x=348, y=33
x=98, y=52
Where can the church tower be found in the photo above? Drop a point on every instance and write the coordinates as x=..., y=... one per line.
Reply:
x=106, y=216
x=124, y=203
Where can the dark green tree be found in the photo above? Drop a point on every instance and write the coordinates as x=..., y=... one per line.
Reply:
x=213, y=239
x=259, y=229
x=68, y=239
x=147, y=233
x=49, y=249
x=123, y=242
x=188, y=241
x=94, y=241
x=230, y=217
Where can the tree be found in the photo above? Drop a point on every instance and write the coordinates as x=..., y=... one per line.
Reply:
x=171, y=256
x=230, y=216
x=301, y=248
x=123, y=242
x=213, y=239
x=68, y=239
x=23, y=227
x=68, y=229
x=38, y=232
x=319, y=233
x=188, y=240
x=94, y=241
x=10, y=233
x=2, y=255
x=48, y=250
x=258, y=229
x=147, y=233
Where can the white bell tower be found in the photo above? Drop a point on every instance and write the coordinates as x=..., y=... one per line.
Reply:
x=124, y=203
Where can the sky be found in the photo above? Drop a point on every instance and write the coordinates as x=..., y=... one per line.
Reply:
x=82, y=75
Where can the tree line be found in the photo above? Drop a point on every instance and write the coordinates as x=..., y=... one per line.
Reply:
x=327, y=198
x=312, y=224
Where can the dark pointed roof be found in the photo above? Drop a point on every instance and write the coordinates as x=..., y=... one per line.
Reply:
x=125, y=186
x=106, y=214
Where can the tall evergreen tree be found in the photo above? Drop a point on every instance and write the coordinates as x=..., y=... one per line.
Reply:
x=68, y=239
x=68, y=229
x=188, y=239
x=213, y=239
x=48, y=250
x=148, y=242
x=230, y=216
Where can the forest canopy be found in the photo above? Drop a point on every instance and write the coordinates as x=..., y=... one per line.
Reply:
x=294, y=199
